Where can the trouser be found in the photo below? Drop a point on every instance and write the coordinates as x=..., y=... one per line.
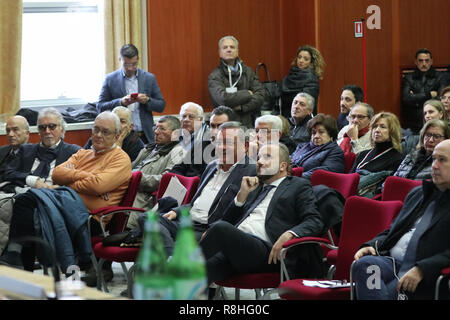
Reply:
x=375, y=278
x=229, y=251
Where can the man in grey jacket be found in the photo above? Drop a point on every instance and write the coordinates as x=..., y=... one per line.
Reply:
x=233, y=84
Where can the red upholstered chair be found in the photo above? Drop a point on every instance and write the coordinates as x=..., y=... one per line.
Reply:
x=128, y=254
x=297, y=171
x=345, y=183
x=445, y=273
x=363, y=219
x=396, y=188
x=349, y=160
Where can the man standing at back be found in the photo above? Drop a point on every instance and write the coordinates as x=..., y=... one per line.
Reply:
x=135, y=89
x=351, y=94
x=233, y=84
x=419, y=86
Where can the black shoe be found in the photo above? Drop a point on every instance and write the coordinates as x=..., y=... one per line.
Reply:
x=11, y=259
x=91, y=277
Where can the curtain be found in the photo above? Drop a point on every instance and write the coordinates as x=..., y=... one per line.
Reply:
x=10, y=56
x=122, y=25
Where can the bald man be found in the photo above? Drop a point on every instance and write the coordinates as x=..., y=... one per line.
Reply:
x=410, y=254
x=17, y=133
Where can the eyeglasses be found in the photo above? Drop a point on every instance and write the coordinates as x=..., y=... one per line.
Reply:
x=443, y=98
x=435, y=136
x=354, y=116
x=43, y=127
x=128, y=65
x=103, y=132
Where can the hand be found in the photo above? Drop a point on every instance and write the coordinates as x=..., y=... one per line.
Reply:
x=237, y=108
x=433, y=94
x=248, y=184
x=171, y=215
x=123, y=134
x=127, y=100
x=365, y=252
x=275, y=252
x=41, y=184
x=352, y=131
x=142, y=98
x=410, y=280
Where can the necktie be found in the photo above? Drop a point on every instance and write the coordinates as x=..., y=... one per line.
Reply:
x=261, y=195
x=410, y=256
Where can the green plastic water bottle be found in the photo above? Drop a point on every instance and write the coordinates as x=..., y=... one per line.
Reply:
x=152, y=281
x=187, y=266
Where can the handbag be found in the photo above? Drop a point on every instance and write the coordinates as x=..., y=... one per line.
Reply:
x=272, y=91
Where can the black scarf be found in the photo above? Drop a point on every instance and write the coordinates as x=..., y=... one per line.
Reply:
x=46, y=156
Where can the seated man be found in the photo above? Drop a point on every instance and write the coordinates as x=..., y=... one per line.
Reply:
x=99, y=176
x=155, y=160
x=269, y=209
x=218, y=185
x=355, y=137
x=17, y=133
x=301, y=112
x=199, y=152
x=410, y=254
x=129, y=139
x=268, y=128
x=34, y=163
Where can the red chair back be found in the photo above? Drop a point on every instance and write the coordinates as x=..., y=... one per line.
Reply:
x=362, y=220
x=297, y=171
x=349, y=160
x=396, y=188
x=345, y=183
x=190, y=183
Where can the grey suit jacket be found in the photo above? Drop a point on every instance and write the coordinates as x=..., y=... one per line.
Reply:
x=113, y=90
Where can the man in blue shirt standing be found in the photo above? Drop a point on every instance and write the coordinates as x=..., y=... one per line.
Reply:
x=135, y=89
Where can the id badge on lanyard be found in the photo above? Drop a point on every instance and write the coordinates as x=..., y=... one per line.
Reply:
x=232, y=88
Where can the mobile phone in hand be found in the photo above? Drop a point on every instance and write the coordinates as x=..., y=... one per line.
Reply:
x=134, y=95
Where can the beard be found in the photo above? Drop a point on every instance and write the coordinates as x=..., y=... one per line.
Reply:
x=262, y=178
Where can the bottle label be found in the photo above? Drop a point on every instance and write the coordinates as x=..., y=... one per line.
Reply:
x=140, y=292
x=187, y=289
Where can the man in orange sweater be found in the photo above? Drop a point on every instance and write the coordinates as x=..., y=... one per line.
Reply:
x=99, y=175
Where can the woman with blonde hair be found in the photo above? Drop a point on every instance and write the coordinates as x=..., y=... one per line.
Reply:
x=306, y=70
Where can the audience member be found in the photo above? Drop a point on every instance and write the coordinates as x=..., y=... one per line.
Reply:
x=445, y=99
x=120, y=88
x=376, y=164
x=434, y=109
x=411, y=253
x=34, y=163
x=195, y=139
x=322, y=152
x=129, y=140
x=268, y=128
x=17, y=133
x=218, y=184
x=98, y=176
x=235, y=85
x=417, y=164
x=350, y=95
x=355, y=137
x=301, y=112
x=155, y=160
x=419, y=86
x=268, y=210
x=286, y=134
x=306, y=70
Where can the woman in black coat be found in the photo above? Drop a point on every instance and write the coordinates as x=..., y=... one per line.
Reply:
x=322, y=152
x=304, y=74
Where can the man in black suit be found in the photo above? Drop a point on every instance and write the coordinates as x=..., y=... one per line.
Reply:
x=406, y=259
x=268, y=210
x=17, y=133
x=35, y=162
x=218, y=185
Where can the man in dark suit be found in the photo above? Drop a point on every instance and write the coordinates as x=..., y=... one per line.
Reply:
x=135, y=89
x=218, y=185
x=34, y=163
x=17, y=133
x=405, y=260
x=268, y=210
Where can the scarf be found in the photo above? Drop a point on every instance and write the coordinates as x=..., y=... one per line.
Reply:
x=45, y=156
x=346, y=145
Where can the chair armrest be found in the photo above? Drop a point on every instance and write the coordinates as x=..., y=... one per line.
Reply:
x=377, y=197
x=114, y=209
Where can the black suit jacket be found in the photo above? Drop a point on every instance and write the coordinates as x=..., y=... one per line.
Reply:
x=228, y=191
x=433, y=248
x=19, y=169
x=4, y=159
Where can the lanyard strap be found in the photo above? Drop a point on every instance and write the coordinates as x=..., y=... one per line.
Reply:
x=229, y=75
x=363, y=163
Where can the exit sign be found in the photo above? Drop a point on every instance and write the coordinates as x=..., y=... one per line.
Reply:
x=359, y=32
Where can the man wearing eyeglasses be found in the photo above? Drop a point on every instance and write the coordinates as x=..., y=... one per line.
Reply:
x=135, y=89
x=34, y=163
x=355, y=137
